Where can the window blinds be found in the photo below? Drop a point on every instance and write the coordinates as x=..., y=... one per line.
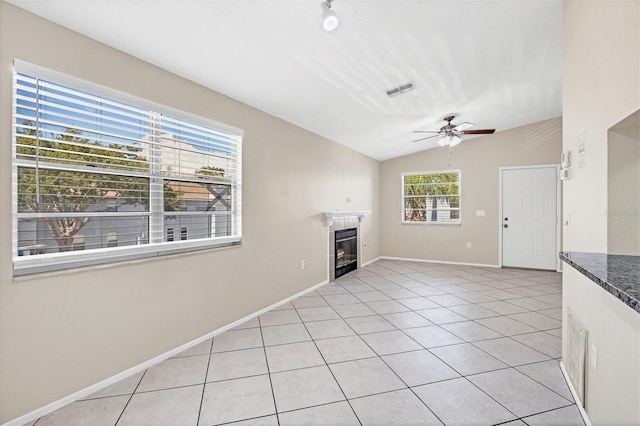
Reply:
x=431, y=197
x=98, y=170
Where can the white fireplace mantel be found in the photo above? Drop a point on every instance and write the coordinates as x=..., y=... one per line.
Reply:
x=330, y=216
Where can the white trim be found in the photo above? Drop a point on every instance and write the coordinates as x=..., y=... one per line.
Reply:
x=583, y=413
x=500, y=169
x=42, y=411
x=92, y=267
x=330, y=216
x=432, y=223
x=28, y=265
x=445, y=262
x=328, y=254
x=558, y=219
x=402, y=198
x=430, y=172
x=371, y=261
x=558, y=209
x=52, y=262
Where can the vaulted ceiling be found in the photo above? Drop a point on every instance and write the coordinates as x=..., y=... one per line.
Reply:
x=493, y=63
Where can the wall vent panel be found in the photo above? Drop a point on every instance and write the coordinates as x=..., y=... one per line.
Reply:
x=577, y=335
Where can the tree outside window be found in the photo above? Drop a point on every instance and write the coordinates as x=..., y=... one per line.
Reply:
x=431, y=197
x=93, y=173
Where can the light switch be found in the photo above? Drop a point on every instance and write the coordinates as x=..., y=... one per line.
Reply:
x=480, y=212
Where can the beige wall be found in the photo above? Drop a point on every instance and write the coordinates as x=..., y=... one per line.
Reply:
x=613, y=384
x=62, y=332
x=623, y=189
x=601, y=86
x=479, y=160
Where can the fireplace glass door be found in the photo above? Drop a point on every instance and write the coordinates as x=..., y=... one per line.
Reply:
x=346, y=251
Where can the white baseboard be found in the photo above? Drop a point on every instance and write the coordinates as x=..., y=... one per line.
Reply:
x=42, y=411
x=583, y=413
x=407, y=259
x=371, y=261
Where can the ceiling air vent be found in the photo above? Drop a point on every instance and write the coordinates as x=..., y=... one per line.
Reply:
x=401, y=89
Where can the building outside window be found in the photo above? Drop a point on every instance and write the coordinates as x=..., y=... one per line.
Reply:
x=431, y=197
x=101, y=176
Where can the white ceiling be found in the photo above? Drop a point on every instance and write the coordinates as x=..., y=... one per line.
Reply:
x=493, y=63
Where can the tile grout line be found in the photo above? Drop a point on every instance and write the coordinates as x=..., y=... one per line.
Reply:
x=130, y=397
x=204, y=386
x=542, y=384
x=427, y=349
x=400, y=378
x=461, y=376
x=266, y=360
x=548, y=411
x=509, y=337
x=327, y=364
x=509, y=367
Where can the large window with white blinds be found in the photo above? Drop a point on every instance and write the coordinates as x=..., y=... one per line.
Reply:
x=100, y=176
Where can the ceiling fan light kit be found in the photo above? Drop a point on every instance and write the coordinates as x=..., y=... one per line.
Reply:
x=329, y=18
x=450, y=140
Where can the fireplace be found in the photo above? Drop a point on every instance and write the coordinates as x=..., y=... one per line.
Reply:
x=344, y=235
x=346, y=251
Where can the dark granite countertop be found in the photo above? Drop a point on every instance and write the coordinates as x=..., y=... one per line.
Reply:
x=618, y=274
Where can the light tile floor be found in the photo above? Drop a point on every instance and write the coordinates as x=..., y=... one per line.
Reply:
x=392, y=343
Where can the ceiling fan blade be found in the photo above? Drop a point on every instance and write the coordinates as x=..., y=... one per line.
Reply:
x=426, y=131
x=428, y=137
x=478, y=132
x=462, y=126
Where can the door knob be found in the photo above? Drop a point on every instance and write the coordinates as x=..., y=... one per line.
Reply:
x=505, y=225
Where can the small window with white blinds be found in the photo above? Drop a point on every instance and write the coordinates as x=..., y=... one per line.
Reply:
x=100, y=176
x=431, y=197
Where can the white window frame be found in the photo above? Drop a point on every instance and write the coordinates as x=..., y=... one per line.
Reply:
x=23, y=265
x=431, y=172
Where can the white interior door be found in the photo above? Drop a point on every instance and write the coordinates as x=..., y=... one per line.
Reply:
x=530, y=217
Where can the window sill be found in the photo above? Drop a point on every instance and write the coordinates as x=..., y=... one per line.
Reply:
x=25, y=266
x=432, y=223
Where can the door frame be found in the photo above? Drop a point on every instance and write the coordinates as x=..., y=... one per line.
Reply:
x=558, y=208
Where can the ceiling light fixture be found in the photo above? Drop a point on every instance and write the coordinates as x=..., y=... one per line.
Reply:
x=329, y=17
x=450, y=140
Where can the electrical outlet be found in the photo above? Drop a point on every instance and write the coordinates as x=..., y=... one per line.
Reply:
x=468, y=245
x=302, y=264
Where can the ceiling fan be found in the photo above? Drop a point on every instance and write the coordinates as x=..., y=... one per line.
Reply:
x=450, y=133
